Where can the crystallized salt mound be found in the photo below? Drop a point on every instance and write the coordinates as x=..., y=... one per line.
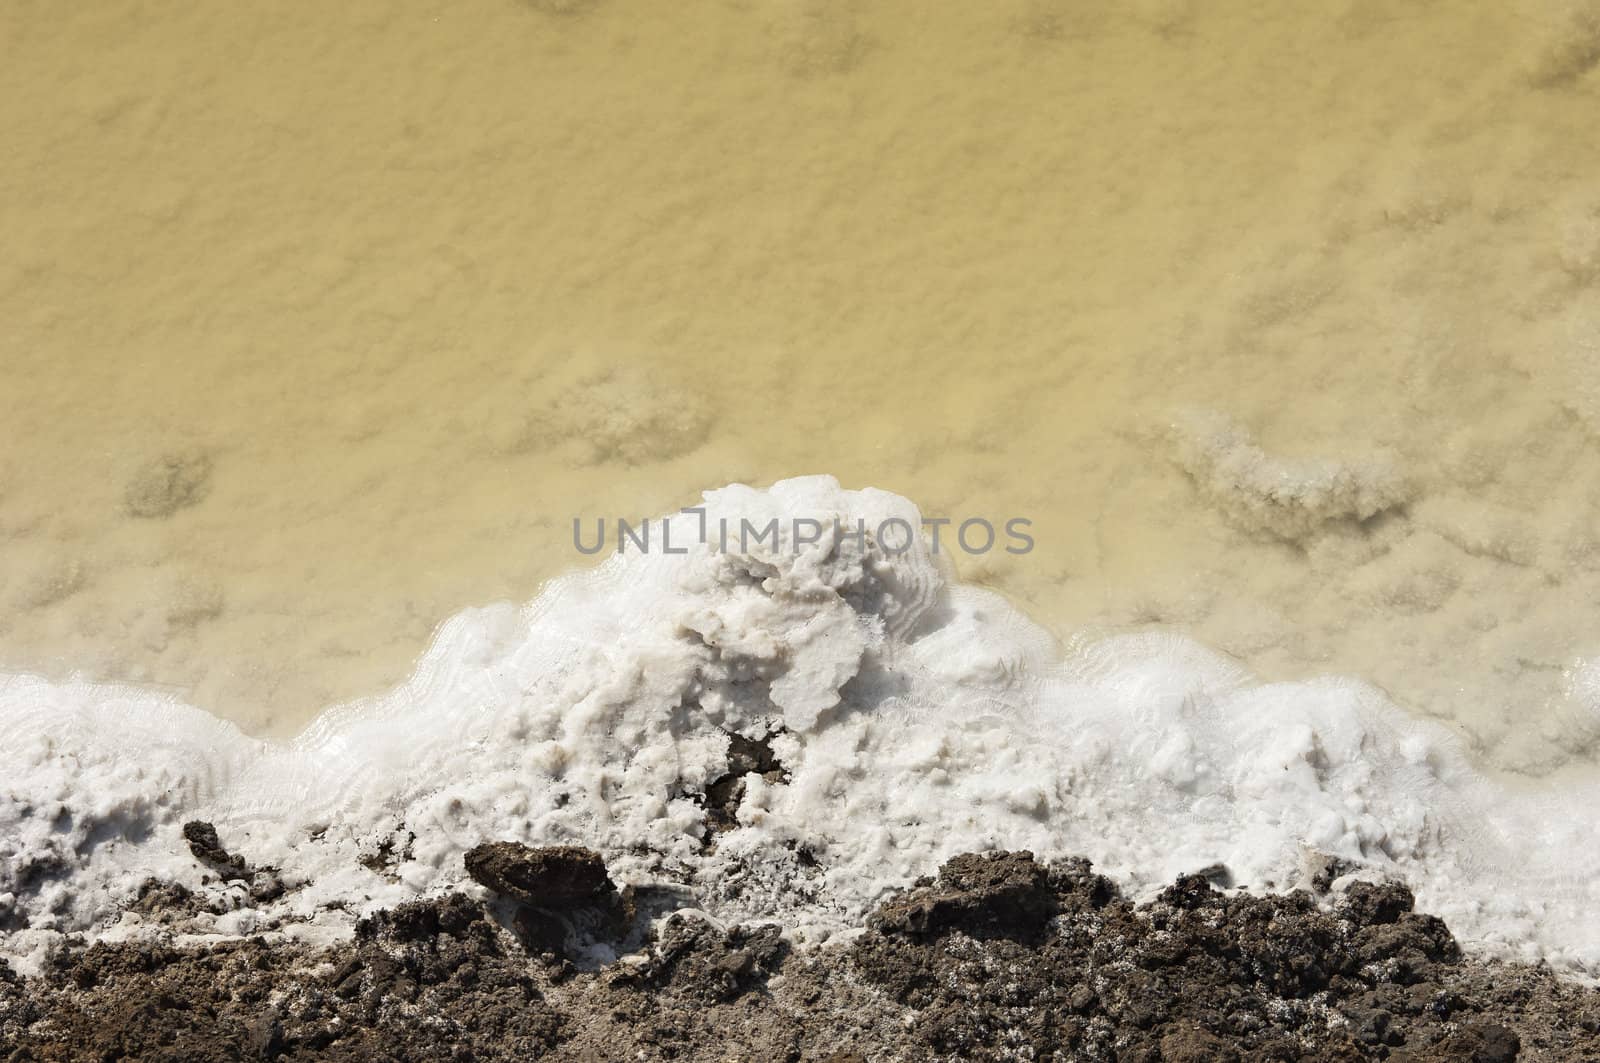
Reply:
x=913, y=720
x=1283, y=497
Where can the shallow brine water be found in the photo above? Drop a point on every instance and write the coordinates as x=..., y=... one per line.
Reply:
x=1279, y=325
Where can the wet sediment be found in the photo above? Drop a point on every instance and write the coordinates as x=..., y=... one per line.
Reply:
x=998, y=957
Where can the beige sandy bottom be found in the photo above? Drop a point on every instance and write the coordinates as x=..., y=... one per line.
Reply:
x=1280, y=323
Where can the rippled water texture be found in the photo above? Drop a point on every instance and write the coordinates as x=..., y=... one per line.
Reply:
x=1280, y=322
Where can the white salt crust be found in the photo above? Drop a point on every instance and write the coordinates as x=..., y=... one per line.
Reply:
x=921, y=718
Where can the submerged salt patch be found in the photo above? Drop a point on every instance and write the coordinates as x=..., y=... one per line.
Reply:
x=916, y=719
x=1288, y=498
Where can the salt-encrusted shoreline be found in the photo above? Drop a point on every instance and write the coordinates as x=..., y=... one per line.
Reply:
x=906, y=718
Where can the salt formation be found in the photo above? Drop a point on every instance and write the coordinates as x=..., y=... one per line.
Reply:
x=915, y=718
x=168, y=484
x=1282, y=497
x=625, y=414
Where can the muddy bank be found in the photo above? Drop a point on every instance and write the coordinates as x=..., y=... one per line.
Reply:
x=998, y=957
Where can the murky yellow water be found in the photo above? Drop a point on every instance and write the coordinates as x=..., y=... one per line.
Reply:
x=1280, y=322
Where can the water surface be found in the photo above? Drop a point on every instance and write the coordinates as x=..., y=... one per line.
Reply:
x=1280, y=323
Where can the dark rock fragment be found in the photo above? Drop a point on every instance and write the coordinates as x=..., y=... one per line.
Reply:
x=264, y=883
x=555, y=877
x=1368, y=904
x=564, y=895
x=984, y=894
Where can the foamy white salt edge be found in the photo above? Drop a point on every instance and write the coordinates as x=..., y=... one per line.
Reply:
x=923, y=719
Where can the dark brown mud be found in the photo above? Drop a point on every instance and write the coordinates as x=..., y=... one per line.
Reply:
x=997, y=958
